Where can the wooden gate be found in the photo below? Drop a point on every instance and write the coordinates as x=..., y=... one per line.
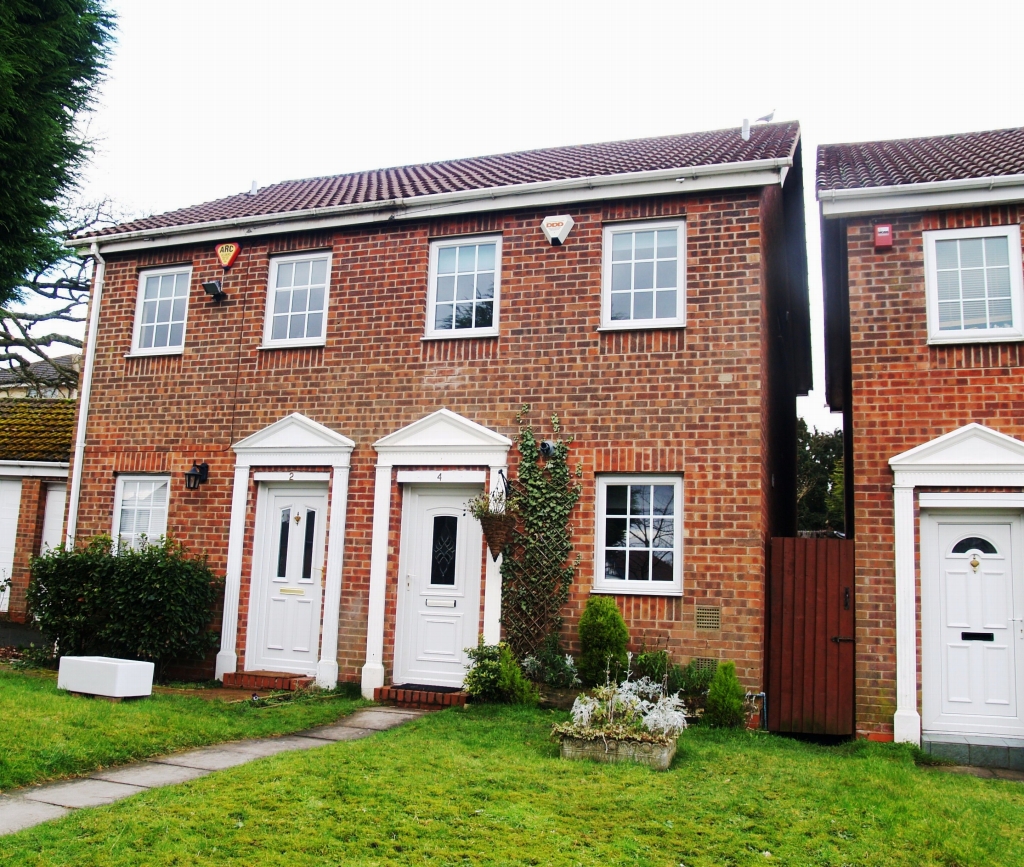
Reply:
x=810, y=636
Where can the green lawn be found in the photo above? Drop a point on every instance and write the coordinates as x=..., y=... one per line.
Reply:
x=45, y=734
x=485, y=786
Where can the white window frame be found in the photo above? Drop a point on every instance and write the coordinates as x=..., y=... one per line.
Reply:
x=137, y=327
x=115, y=532
x=436, y=245
x=679, y=321
x=268, y=319
x=638, y=588
x=975, y=335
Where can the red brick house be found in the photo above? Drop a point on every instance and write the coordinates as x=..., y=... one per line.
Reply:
x=352, y=379
x=921, y=246
x=35, y=447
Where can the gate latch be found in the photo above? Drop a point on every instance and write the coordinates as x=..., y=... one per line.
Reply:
x=838, y=638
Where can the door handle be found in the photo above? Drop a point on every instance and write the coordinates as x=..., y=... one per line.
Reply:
x=838, y=638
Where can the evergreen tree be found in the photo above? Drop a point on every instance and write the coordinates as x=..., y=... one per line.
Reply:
x=52, y=54
x=819, y=454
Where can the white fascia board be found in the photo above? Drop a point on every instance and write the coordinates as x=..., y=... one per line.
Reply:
x=43, y=469
x=922, y=197
x=754, y=173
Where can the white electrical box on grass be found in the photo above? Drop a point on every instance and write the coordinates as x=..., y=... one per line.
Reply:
x=102, y=675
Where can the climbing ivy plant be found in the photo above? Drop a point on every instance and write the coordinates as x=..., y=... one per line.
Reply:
x=536, y=570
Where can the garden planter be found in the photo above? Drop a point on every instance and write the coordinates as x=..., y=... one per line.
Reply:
x=497, y=527
x=657, y=756
x=104, y=676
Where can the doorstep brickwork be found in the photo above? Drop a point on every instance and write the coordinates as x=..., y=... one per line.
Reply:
x=266, y=680
x=420, y=699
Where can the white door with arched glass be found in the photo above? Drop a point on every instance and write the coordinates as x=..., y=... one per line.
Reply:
x=441, y=564
x=288, y=579
x=972, y=603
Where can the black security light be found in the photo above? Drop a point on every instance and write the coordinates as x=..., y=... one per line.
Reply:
x=197, y=475
x=215, y=289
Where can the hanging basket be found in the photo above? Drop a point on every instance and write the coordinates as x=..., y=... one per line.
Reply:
x=498, y=528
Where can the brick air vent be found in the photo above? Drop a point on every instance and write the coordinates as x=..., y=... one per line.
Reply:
x=709, y=617
x=703, y=663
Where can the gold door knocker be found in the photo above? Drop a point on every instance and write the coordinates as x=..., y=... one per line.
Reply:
x=975, y=562
x=298, y=517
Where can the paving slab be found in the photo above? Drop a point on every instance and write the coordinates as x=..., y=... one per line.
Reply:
x=379, y=719
x=19, y=813
x=150, y=775
x=83, y=793
x=259, y=748
x=207, y=759
x=337, y=733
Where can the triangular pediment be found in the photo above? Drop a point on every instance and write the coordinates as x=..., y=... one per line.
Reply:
x=973, y=445
x=294, y=432
x=445, y=430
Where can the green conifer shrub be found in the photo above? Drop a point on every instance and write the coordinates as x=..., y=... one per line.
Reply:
x=726, y=703
x=603, y=640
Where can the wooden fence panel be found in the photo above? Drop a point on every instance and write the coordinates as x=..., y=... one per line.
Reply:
x=810, y=632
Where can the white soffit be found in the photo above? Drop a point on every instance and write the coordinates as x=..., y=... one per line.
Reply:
x=294, y=434
x=922, y=197
x=443, y=434
x=972, y=447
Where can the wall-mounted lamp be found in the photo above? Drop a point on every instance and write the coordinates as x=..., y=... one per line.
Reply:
x=197, y=475
x=546, y=449
x=215, y=289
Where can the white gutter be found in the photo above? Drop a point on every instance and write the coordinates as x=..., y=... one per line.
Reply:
x=963, y=192
x=723, y=175
x=83, y=401
x=42, y=469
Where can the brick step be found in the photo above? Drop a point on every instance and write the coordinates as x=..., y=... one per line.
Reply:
x=420, y=699
x=266, y=680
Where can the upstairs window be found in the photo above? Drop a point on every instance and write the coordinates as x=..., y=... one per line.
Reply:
x=297, y=303
x=161, y=311
x=644, y=275
x=973, y=283
x=464, y=287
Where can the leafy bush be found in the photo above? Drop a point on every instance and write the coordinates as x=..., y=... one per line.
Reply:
x=151, y=603
x=603, y=639
x=686, y=679
x=726, y=704
x=495, y=676
x=551, y=665
x=636, y=710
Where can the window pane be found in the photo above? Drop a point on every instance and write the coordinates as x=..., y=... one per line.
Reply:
x=282, y=301
x=316, y=298
x=160, y=335
x=146, y=337
x=163, y=310
x=299, y=297
x=282, y=543
x=666, y=304
x=946, y=254
x=467, y=259
x=446, y=260
x=615, y=499
x=639, y=566
x=152, y=287
x=615, y=533
x=644, y=245
x=1000, y=315
x=666, y=243
x=307, y=547
x=149, y=312
x=975, y=314
x=664, y=500
x=639, y=532
x=445, y=288
x=615, y=565
x=314, y=325
x=949, y=285
x=662, y=566
x=971, y=255
x=284, y=274
x=485, y=285
x=297, y=327
x=301, y=274
x=949, y=316
x=622, y=247
x=464, y=315
x=663, y=533
x=998, y=282
x=485, y=314
x=621, y=275
x=974, y=543
x=181, y=285
x=443, y=316
x=643, y=305
x=176, y=335
x=620, y=305
x=485, y=257
x=667, y=274
x=178, y=310
x=442, y=550
x=996, y=252
x=464, y=287
x=280, y=329
x=639, y=499
x=643, y=275
x=318, y=271
x=972, y=283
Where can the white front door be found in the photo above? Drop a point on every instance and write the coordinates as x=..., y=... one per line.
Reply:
x=53, y=517
x=288, y=579
x=441, y=559
x=973, y=637
x=10, y=506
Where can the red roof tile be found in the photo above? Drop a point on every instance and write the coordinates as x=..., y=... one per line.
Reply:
x=921, y=160
x=34, y=429
x=767, y=141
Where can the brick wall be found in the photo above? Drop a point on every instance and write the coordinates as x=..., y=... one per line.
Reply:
x=906, y=393
x=675, y=401
x=26, y=545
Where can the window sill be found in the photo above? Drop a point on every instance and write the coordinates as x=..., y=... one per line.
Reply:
x=298, y=344
x=465, y=335
x=151, y=353
x=634, y=590
x=644, y=326
x=961, y=338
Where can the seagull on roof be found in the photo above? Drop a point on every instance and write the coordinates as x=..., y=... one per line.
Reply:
x=767, y=118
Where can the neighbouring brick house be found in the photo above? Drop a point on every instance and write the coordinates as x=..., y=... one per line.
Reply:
x=921, y=248
x=35, y=447
x=359, y=378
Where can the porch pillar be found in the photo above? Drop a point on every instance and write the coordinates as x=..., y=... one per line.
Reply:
x=492, y=577
x=373, y=669
x=327, y=667
x=227, y=658
x=907, y=720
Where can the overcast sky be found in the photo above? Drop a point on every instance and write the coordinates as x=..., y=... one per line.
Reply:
x=204, y=97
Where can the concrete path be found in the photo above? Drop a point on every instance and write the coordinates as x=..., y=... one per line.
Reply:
x=31, y=806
